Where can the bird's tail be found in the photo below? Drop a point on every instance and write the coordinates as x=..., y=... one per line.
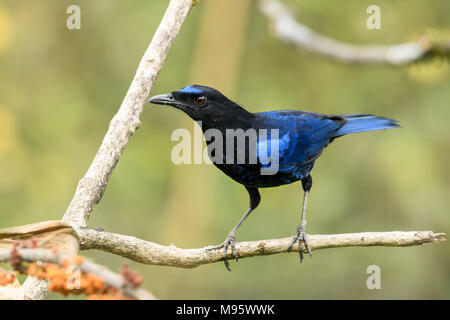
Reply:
x=365, y=122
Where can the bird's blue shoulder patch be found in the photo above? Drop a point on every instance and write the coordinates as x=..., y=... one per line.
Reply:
x=191, y=89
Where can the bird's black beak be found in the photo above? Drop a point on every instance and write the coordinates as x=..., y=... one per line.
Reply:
x=165, y=99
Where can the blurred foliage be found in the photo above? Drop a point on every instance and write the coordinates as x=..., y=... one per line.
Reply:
x=59, y=88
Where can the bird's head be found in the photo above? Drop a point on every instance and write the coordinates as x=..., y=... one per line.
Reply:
x=201, y=103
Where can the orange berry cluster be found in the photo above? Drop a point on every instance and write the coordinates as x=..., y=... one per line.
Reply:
x=130, y=277
x=6, y=278
x=68, y=277
x=15, y=256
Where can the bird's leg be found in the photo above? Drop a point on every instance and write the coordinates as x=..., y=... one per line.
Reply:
x=300, y=235
x=230, y=240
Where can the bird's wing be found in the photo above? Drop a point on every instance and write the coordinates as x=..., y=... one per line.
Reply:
x=302, y=136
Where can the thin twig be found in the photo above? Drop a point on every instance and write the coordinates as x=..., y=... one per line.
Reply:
x=155, y=254
x=293, y=32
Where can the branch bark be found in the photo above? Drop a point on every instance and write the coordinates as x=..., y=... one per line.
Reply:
x=155, y=254
x=123, y=125
x=293, y=32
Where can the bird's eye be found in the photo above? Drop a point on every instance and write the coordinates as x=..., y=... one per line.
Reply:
x=200, y=100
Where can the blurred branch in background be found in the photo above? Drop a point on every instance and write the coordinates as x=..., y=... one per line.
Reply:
x=293, y=32
x=151, y=253
x=91, y=187
x=73, y=274
x=46, y=251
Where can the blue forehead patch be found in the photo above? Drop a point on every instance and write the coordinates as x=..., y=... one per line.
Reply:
x=191, y=89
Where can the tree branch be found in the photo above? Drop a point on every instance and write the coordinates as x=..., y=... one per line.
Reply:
x=91, y=187
x=291, y=31
x=155, y=254
x=123, y=125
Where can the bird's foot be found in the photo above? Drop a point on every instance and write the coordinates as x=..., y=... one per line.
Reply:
x=230, y=241
x=300, y=235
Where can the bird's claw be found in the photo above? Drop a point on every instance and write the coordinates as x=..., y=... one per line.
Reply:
x=230, y=241
x=300, y=235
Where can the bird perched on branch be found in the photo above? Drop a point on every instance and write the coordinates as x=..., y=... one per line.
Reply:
x=289, y=141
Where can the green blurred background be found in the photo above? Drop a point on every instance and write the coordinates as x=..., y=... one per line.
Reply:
x=59, y=88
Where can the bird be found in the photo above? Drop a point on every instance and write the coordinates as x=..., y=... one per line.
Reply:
x=301, y=137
